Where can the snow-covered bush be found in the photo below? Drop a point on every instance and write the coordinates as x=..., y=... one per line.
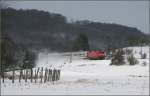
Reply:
x=118, y=57
x=144, y=63
x=121, y=57
x=143, y=56
x=128, y=51
x=132, y=60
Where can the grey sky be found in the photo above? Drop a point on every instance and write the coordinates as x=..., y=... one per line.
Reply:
x=130, y=13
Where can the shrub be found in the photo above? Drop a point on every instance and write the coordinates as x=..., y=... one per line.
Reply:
x=118, y=57
x=129, y=51
x=144, y=63
x=132, y=60
x=143, y=56
x=29, y=59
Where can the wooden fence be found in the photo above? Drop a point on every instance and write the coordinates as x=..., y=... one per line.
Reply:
x=33, y=75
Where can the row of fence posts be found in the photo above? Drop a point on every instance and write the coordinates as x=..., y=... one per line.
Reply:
x=50, y=75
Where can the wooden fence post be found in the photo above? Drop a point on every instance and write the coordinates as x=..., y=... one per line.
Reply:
x=54, y=76
x=50, y=75
x=26, y=76
x=31, y=74
x=21, y=75
x=36, y=74
x=41, y=74
x=13, y=76
x=58, y=74
x=45, y=77
x=3, y=76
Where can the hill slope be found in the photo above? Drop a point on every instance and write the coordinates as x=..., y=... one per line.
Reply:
x=40, y=29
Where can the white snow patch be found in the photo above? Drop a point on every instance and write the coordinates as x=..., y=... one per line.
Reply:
x=86, y=77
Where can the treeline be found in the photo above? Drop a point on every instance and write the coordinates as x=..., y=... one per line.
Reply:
x=39, y=29
x=14, y=56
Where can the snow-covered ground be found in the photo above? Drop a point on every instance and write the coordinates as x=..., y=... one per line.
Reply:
x=80, y=76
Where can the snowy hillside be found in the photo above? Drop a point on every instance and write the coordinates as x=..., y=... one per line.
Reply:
x=83, y=76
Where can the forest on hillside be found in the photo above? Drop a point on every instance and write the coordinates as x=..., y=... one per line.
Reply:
x=38, y=29
x=24, y=32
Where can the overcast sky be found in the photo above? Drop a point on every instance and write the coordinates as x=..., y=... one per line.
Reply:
x=130, y=13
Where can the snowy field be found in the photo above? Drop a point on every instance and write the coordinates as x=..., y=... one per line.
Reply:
x=80, y=76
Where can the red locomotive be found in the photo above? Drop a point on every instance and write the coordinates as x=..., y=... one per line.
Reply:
x=96, y=55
